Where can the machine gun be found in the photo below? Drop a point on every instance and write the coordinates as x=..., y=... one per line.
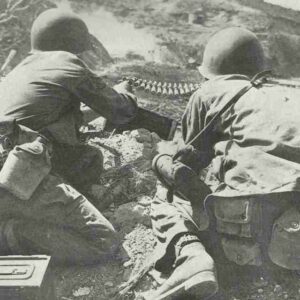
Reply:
x=164, y=126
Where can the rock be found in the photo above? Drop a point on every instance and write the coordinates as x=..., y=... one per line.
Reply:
x=196, y=17
x=108, y=214
x=82, y=291
x=97, y=191
x=142, y=135
x=128, y=263
x=145, y=201
x=260, y=291
x=155, y=138
x=277, y=289
x=108, y=284
x=260, y=282
x=129, y=214
x=127, y=274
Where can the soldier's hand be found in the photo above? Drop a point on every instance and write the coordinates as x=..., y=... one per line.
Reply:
x=190, y=156
x=124, y=87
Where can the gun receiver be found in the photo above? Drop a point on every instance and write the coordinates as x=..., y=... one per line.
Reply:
x=163, y=126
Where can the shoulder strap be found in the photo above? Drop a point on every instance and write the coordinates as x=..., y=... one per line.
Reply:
x=255, y=82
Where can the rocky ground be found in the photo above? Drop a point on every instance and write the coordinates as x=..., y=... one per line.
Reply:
x=126, y=187
x=124, y=195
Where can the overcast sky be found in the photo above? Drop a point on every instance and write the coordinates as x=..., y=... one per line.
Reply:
x=294, y=4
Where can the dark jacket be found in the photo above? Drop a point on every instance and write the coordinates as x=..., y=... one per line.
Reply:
x=45, y=91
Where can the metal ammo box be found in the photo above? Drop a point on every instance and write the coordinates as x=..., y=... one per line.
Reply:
x=25, y=278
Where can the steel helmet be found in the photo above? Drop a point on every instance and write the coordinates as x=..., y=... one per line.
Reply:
x=57, y=30
x=233, y=50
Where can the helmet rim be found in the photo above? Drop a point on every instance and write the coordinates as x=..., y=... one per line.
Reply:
x=233, y=50
x=60, y=30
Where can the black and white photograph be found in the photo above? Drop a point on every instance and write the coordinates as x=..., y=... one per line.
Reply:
x=149, y=149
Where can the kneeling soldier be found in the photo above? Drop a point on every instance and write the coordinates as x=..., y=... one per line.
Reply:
x=39, y=213
x=45, y=90
x=248, y=130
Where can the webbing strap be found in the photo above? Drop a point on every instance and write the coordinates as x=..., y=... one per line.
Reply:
x=211, y=123
x=255, y=82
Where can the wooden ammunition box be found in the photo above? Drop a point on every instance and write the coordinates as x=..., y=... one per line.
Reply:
x=25, y=278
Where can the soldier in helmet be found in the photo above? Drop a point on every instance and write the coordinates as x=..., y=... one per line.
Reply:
x=248, y=130
x=41, y=97
x=45, y=90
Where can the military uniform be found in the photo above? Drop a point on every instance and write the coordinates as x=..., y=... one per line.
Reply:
x=44, y=93
x=40, y=213
x=255, y=150
x=248, y=131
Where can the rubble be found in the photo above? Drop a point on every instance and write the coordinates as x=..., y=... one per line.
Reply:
x=128, y=175
x=82, y=291
x=128, y=215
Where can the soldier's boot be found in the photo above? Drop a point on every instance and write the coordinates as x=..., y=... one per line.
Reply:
x=194, y=273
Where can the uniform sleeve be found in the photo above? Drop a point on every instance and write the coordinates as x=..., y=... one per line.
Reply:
x=193, y=121
x=118, y=108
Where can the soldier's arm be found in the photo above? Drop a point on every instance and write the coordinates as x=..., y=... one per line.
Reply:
x=193, y=119
x=117, y=104
x=197, y=154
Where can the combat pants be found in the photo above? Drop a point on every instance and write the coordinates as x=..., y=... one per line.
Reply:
x=172, y=220
x=56, y=221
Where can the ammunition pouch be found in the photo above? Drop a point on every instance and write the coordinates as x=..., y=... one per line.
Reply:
x=250, y=228
x=238, y=223
x=284, y=247
x=239, y=217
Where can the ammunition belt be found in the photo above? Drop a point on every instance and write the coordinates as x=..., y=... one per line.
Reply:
x=164, y=89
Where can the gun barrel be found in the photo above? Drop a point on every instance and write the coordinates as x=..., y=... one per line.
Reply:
x=163, y=126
